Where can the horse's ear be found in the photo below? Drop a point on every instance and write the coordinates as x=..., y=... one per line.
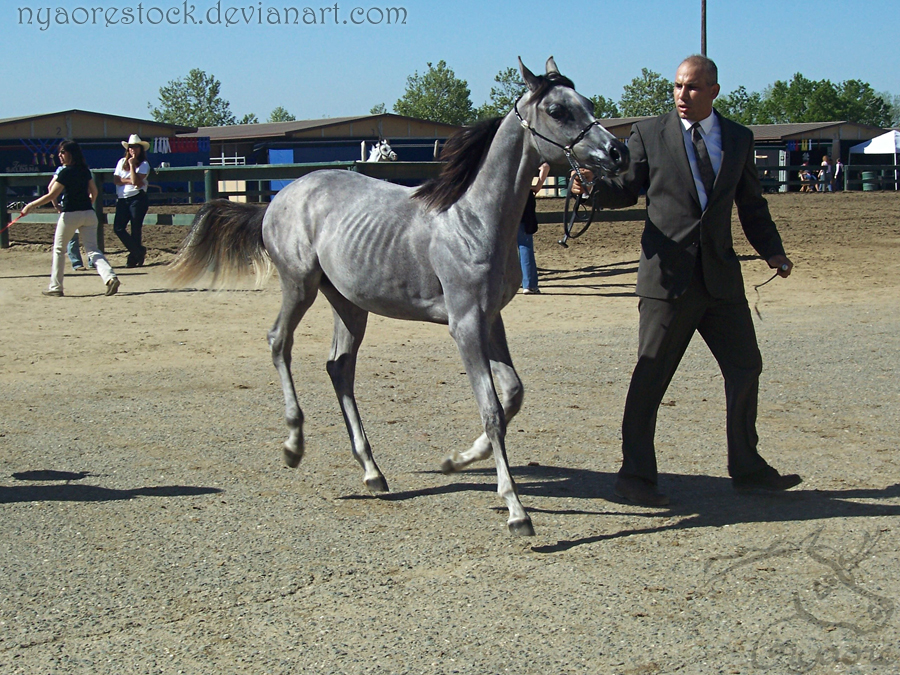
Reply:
x=551, y=66
x=531, y=81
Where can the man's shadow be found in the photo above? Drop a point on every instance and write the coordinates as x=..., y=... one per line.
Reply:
x=65, y=491
x=697, y=501
x=599, y=278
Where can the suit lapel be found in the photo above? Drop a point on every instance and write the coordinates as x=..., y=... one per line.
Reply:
x=729, y=153
x=673, y=140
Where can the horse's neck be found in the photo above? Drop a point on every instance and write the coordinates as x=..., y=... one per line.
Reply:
x=500, y=188
x=375, y=154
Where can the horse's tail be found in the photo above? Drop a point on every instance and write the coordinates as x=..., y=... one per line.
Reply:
x=224, y=241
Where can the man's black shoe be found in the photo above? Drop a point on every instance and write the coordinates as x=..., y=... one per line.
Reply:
x=639, y=491
x=768, y=479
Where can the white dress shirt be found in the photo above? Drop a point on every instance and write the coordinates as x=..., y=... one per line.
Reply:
x=711, y=131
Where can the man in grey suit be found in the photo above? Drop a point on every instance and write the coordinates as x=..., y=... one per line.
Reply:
x=694, y=165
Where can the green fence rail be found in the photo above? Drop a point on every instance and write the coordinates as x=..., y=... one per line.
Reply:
x=203, y=181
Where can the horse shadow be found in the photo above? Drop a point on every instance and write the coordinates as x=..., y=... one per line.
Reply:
x=588, y=278
x=68, y=492
x=698, y=501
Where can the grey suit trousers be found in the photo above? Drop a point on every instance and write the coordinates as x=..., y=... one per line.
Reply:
x=666, y=329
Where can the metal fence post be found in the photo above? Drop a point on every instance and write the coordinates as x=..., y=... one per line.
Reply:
x=98, y=209
x=211, y=186
x=4, y=215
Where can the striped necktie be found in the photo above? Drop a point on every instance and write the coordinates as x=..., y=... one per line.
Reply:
x=704, y=165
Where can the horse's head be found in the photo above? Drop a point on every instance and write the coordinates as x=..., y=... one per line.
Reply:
x=563, y=126
x=381, y=152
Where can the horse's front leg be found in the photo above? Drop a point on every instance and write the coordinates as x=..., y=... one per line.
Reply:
x=511, y=392
x=472, y=339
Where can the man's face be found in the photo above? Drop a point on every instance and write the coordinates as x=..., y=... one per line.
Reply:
x=693, y=95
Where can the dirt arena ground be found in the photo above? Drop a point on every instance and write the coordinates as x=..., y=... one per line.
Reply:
x=149, y=525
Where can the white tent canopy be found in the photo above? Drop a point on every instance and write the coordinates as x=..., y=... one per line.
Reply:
x=886, y=144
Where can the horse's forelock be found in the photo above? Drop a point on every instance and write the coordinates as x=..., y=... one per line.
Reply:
x=548, y=82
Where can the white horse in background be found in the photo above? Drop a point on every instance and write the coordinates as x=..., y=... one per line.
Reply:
x=380, y=152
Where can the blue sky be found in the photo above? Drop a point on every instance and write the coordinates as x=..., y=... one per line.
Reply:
x=333, y=70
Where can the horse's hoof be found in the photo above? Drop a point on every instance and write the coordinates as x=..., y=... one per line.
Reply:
x=291, y=458
x=377, y=485
x=448, y=466
x=521, y=528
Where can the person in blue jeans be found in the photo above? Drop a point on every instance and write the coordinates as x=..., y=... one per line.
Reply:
x=131, y=179
x=525, y=237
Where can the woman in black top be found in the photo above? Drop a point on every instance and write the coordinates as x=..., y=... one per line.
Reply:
x=76, y=181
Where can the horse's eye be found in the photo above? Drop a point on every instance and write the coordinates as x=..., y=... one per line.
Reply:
x=556, y=111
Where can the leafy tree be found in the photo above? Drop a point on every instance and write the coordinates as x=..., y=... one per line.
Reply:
x=437, y=95
x=604, y=107
x=193, y=101
x=281, y=115
x=861, y=104
x=378, y=109
x=894, y=100
x=741, y=106
x=503, y=96
x=805, y=100
x=249, y=118
x=648, y=94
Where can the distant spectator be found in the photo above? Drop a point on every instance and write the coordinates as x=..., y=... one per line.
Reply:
x=837, y=181
x=525, y=238
x=76, y=182
x=132, y=180
x=826, y=175
x=807, y=180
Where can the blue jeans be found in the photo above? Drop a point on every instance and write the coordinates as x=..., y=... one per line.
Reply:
x=526, y=258
x=131, y=209
x=74, y=252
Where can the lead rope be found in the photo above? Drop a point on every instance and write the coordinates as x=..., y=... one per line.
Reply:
x=13, y=222
x=784, y=268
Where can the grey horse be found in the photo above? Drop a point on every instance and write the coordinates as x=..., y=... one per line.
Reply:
x=444, y=252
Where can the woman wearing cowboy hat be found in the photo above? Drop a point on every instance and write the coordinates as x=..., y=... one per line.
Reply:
x=131, y=179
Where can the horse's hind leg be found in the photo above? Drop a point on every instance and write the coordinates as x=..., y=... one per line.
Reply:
x=295, y=300
x=349, y=330
x=511, y=392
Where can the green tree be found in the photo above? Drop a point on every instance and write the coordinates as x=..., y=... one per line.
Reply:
x=861, y=104
x=741, y=106
x=193, y=101
x=503, y=96
x=437, y=95
x=378, y=109
x=281, y=115
x=249, y=118
x=604, y=107
x=648, y=94
x=805, y=100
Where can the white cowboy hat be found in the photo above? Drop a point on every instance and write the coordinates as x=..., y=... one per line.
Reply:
x=134, y=139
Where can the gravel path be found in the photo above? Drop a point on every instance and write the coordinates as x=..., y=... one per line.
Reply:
x=150, y=526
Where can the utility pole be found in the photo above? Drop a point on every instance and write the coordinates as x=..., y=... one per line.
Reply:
x=703, y=27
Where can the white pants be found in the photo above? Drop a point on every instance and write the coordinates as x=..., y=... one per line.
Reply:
x=85, y=222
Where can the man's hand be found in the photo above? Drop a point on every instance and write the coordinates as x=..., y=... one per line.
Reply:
x=782, y=264
x=577, y=187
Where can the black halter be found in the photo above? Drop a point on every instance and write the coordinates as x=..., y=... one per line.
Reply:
x=567, y=149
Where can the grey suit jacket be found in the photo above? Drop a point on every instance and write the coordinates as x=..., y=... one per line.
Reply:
x=676, y=229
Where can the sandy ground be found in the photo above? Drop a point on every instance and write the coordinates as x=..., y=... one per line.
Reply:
x=149, y=525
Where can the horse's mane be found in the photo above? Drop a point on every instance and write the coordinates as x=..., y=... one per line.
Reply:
x=462, y=152
x=465, y=149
